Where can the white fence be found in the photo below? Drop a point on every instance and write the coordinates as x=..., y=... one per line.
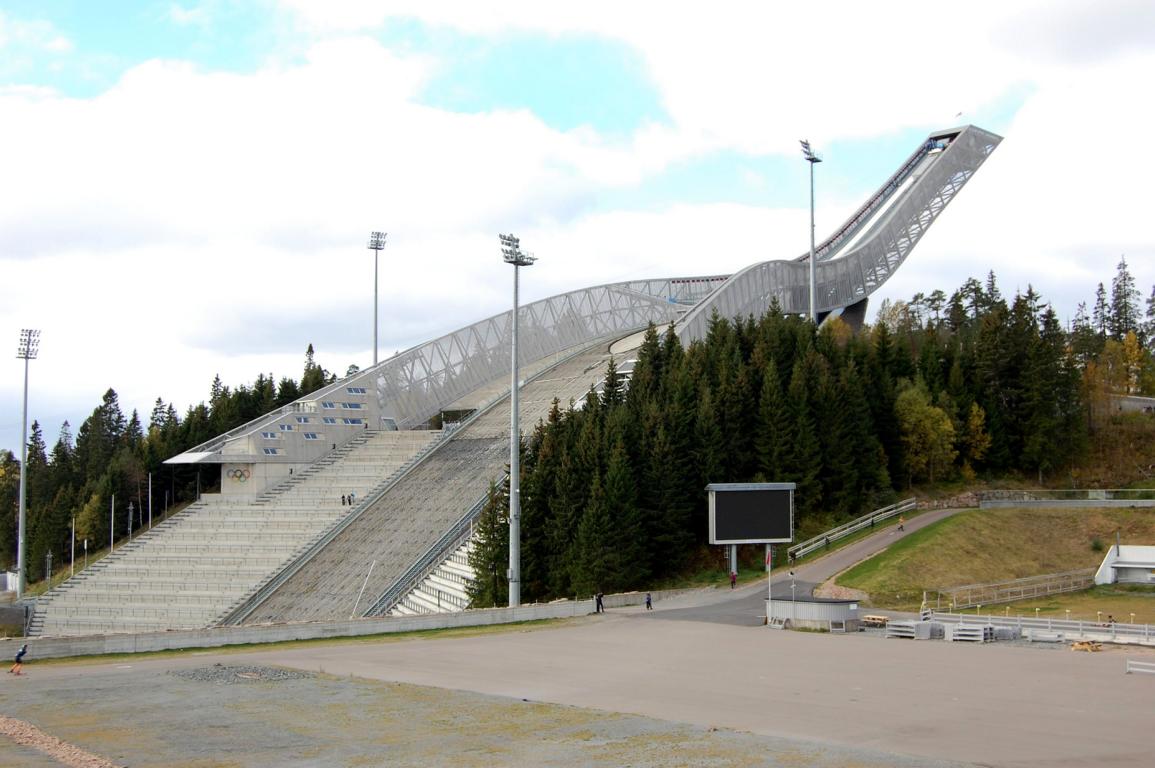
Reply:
x=958, y=598
x=1145, y=667
x=1057, y=629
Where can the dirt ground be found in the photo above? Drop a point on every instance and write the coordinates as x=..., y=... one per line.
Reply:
x=230, y=713
x=623, y=688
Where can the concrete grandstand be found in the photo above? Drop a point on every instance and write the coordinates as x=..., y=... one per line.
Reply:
x=283, y=540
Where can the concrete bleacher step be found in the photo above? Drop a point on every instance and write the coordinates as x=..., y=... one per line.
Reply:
x=411, y=517
x=184, y=572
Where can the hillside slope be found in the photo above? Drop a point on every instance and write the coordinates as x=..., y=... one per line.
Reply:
x=983, y=546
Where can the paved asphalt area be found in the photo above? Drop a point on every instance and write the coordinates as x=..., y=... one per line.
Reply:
x=747, y=604
x=697, y=681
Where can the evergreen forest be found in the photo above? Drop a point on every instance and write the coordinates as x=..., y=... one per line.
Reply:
x=940, y=389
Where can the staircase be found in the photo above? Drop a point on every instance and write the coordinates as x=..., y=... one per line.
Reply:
x=442, y=591
x=193, y=568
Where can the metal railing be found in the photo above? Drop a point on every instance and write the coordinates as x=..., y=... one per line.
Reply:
x=1027, y=588
x=1146, y=667
x=1056, y=629
x=428, y=561
x=241, y=610
x=846, y=529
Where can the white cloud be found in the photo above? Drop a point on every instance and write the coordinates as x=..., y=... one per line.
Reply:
x=181, y=16
x=30, y=36
x=186, y=223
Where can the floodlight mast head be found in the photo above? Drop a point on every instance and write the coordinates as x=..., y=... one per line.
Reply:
x=808, y=153
x=29, y=344
x=377, y=240
x=511, y=250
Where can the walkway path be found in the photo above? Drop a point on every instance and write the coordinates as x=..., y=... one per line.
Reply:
x=746, y=606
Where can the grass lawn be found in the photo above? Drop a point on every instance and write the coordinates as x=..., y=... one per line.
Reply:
x=994, y=545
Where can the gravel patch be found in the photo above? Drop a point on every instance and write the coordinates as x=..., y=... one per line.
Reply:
x=231, y=675
x=28, y=735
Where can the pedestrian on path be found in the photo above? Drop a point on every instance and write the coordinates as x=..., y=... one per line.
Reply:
x=733, y=579
x=901, y=523
x=19, y=661
x=649, y=602
x=599, y=606
x=342, y=499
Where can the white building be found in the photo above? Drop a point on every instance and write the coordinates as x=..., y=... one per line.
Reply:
x=1127, y=564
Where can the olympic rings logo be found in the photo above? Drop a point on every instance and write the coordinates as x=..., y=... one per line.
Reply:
x=238, y=475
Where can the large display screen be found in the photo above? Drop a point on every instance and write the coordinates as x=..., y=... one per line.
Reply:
x=751, y=513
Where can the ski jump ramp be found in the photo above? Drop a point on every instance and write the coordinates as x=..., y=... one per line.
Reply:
x=467, y=371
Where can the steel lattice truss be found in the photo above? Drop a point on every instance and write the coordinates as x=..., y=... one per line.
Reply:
x=416, y=384
x=866, y=250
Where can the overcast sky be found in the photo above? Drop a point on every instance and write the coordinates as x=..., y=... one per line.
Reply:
x=186, y=189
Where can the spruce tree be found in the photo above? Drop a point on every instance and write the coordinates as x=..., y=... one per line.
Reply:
x=1124, y=312
x=313, y=377
x=803, y=459
x=1101, y=314
x=489, y=555
x=598, y=565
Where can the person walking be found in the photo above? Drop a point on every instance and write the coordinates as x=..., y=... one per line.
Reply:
x=901, y=523
x=599, y=606
x=733, y=579
x=19, y=661
x=649, y=602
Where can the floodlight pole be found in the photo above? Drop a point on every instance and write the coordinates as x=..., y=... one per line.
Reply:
x=376, y=244
x=812, y=159
x=29, y=345
x=511, y=251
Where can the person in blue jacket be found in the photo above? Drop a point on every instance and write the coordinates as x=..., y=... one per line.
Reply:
x=19, y=661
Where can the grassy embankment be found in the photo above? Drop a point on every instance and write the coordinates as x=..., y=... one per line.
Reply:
x=987, y=546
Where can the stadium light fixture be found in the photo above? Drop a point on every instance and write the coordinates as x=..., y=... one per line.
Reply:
x=512, y=253
x=376, y=244
x=27, y=350
x=811, y=158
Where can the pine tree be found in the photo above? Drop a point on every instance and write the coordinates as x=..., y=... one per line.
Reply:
x=621, y=500
x=803, y=458
x=598, y=565
x=612, y=395
x=489, y=556
x=1101, y=314
x=1124, y=312
x=711, y=446
x=314, y=376
x=667, y=509
x=648, y=371
x=287, y=392
x=1149, y=340
x=771, y=419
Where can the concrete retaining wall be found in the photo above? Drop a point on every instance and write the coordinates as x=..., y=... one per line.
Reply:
x=217, y=637
x=999, y=503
